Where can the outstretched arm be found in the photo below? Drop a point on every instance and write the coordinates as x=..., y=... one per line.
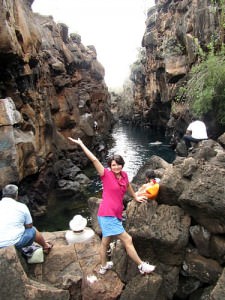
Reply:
x=97, y=164
x=132, y=193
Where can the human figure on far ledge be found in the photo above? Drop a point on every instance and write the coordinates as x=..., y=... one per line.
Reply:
x=195, y=133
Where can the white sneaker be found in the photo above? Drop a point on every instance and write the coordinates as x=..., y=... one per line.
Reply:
x=145, y=267
x=108, y=266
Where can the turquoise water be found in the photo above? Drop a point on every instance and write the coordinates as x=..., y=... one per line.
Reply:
x=136, y=145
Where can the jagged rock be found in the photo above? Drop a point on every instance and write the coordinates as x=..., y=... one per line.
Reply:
x=191, y=187
x=67, y=188
x=19, y=40
x=75, y=267
x=156, y=163
x=187, y=286
x=205, y=269
x=65, y=169
x=221, y=139
x=175, y=31
x=165, y=227
x=181, y=149
x=54, y=82
x=141, y=288
x=201, y=294
x=219, y=292
x=93, y=205
x=108, y=287
x=201, y=196
x=21, y=286
x=15, y=145
x=201, y=238
x=217, y=248
x=68, y=272
x=194, y=183
x=82, y=179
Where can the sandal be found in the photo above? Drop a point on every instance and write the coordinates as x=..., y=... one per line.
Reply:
x=46, y=250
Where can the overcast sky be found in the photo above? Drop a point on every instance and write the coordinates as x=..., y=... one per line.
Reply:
x=114, y=27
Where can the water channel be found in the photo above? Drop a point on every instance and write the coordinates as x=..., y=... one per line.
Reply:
x=135, y=144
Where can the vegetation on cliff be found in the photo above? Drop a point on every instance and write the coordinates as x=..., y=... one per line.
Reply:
x=205, y=91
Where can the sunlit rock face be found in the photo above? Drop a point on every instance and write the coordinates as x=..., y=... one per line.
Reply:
x=17, y=147
x=174, y=32
x=68, y=272
x=55, y=86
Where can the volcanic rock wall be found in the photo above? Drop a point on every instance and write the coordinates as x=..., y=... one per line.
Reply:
x=174, y=32
x=53, y=84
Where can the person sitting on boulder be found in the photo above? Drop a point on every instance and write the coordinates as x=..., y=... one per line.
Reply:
x=150, y=189
x=79, y=233
x=16, y=226
x=195, y=133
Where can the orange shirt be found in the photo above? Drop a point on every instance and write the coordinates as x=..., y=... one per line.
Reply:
x=149, y=190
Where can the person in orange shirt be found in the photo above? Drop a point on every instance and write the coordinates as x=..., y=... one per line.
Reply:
x=150, y=189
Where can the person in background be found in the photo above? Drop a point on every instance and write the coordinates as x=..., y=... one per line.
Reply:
x=195, y=133
x=150, y=189
x=115, y=184
x=16, y=226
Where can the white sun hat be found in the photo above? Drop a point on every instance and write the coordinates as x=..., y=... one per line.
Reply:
x=73, y=237
x=78, y=223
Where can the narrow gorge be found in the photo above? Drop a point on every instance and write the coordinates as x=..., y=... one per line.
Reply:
x=52, y=87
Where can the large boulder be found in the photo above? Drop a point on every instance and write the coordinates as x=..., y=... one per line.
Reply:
x=15, y=284
x=68, y=272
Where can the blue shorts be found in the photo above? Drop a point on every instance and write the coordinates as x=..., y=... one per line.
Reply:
x=27, y=238
x=110, y=226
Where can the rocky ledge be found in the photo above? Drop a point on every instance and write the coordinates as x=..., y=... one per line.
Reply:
x=182, y=233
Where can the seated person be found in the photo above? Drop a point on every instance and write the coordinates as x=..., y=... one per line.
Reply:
x=195, y=133
x=150, y=189
x=79, y=233
x=16, y=226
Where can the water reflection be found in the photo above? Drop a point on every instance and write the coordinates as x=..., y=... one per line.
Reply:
x=137, y=145
x=134, y=144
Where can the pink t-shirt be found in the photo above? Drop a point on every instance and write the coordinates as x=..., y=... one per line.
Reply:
x=113, y=193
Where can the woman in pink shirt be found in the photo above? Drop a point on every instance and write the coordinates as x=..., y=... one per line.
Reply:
x=115, y=184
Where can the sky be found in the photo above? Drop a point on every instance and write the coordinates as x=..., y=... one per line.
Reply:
x=114, y=27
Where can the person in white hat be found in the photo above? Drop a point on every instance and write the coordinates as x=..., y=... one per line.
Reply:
x=115, y=184
x=79, y=232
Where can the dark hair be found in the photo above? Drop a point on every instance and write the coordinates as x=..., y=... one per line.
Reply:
x=10, y=190
x=118, y=159
x=150, y=174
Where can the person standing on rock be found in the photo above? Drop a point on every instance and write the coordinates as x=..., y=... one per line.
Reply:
x=115, y=184
x=16, y=226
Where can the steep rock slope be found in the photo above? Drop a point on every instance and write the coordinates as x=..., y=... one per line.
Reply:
x=51, y=87
x=175, y=31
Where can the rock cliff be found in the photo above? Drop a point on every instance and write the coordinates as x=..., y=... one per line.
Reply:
x=175, y=31
x=51, y=87
x=182, y=233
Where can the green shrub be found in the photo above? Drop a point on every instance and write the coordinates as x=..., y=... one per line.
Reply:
x=205, y=90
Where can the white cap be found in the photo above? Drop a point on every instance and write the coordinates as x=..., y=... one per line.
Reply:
x=78, y=223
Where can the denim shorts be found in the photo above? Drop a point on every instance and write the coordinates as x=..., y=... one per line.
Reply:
x=110, y=226
x=27, y=238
